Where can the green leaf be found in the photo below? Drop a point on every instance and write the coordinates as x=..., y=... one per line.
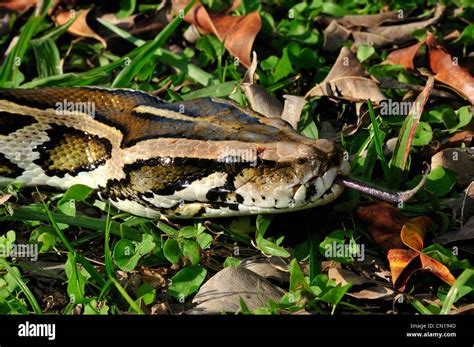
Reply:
x=127, y=253
x=271, y=248
x=192, y=251
x=172, y=251
x=283, y=67
x=443, y=114
x=334, y=295
x=77, y=279
x=365, y=52
x=167, y=229
x=231, y=261
x=127, y=7
x=334, y=246
x=467, y=36
x=187, y=281
x=6, y=243
x=78, y=192
x=46, y=236
x=91, y=308
x=216, y=5
x=262, y=223
x=423, y=134
x=297, y=279
x=440, y=181
x=147, y=293
x=204, y=240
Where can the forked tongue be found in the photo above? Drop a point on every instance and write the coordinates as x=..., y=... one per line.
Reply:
x=382, y=193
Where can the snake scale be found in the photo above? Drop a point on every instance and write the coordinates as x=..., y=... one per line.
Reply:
x=205, y=157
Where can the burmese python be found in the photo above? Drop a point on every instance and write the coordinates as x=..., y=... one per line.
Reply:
x=199, y=158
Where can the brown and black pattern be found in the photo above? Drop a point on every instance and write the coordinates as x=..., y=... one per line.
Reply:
x=71, y=151
x=9, y=169
x=10, y=122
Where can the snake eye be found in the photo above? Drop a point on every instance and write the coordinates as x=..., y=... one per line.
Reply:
x=300, y=161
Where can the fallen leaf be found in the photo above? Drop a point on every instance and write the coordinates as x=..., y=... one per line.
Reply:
x=383, y=222
x=399, y=259
x=348, y=80
x=404, y=56
x=292, y=109
x=367, y=29
x=413, y=234
x=261, y=101
x=237, y=32
x=362, y=288
x=367, y=20
x=393, y=232
x=458, y=160
x=223, y=292
x=274, y=268
x=334, y=36
x=79, y=28
x=462, y=234
x=398, y=34
x=448, y=71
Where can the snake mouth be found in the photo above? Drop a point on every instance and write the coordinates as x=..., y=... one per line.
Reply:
x=321, y=189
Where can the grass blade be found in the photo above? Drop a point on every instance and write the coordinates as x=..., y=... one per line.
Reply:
x=129, y=72
x=9, y=72
x=453, y=292
x=403, y=147
x=378, y=140
x=29, y=295
x=166, y=57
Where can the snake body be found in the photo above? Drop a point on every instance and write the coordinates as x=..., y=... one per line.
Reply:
x=199, y=158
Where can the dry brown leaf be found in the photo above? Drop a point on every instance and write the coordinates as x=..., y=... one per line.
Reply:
x=448, y=71
x=334, y=36
x=348, y=80
x=463, y=234
x=292, y=109
x=237, y=32
x=383, y=222
x=261, y=101
x=368, y=20
x=459, y=160
x=404, y=56
x=366, y=29
x=362, y=288
x=413, y=234
x=79, y=28
x=398, y=34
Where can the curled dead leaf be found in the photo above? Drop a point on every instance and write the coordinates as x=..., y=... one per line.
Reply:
x=459, y=160
x=384, y=222
x=367, y=20
x=448, y=71
x=79, y=28
x=237, y=32
x=348, y=80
